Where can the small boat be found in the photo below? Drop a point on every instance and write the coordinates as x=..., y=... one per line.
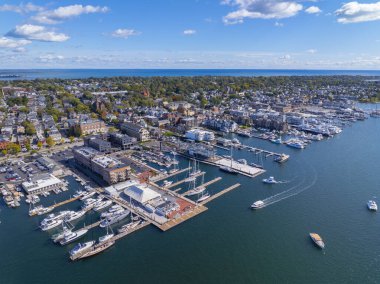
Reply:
x=276, y=141
x=296, y=144
x=372, y=206
x=317, y=240
x=242, y=161
x=282, y=158
x=81, y=248
x=258, y=204
x=167, y=183
x=256, y=166
x=44, y=210
x=269, y=180
x=72, y=236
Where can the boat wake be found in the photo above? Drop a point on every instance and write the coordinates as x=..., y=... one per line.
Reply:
x=293, y=191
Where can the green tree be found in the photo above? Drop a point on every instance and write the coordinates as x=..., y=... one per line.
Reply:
x=71, y=139
x=39, y=144
x=50, y=142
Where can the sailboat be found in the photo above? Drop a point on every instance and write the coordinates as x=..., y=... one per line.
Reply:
x=196, y=169
x=197, y=190
x=107, y=236
x=204, y=196
x=229, y=169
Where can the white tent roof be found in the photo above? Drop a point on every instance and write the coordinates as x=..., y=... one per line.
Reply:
x=141, y=194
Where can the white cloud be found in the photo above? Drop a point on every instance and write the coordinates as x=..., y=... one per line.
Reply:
x=38, y=33
x=22, y=8
x=278, y=24
x=312, y=51
x=260, y=9
x=313, y=10
x=189, y=32
x=285, y=57
x=66, y=12
x=49, y=58
x=12, y=43
x=354, y=12
x=125, y=33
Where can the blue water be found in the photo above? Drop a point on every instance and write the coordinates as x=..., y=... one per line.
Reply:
x=99, y=73
x=229, y=243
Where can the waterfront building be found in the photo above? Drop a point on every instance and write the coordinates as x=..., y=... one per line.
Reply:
x=122, y=140
x=200, y=135
x=41, y=183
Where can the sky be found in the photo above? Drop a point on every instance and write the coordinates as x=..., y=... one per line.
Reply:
x=206, y=34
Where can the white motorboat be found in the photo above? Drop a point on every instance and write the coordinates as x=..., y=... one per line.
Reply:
x=51, y=224
x=111, y=214
x=258, y=204
x=88, y=195
x=114, y=219
x=270, y=180
x=73, y=215
x=372, y=206
x=44, y=210
x=102, y=205
x=59, y=236
x=167, y=183
x=72, y=236
x=57, y=216
x=81, y=248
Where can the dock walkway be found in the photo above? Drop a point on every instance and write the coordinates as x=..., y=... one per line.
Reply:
x=220, y=193
x=203, y=185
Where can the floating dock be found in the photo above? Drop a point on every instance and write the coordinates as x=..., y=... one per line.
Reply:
x=220, y=193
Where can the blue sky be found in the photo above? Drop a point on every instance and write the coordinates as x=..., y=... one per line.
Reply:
x=286, y=34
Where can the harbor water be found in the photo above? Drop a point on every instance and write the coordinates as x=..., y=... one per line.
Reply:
x=328, y=183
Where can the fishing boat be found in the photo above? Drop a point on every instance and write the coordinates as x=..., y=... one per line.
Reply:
x=258, y=204
x=372, y=206
x=269, y=180
x=317, y=240
x=72, y=236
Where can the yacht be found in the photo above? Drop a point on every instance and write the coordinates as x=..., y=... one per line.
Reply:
x=89, y=204
x=114, y=219
x=72, y=236
x=81, y=247
x=102, y=205
x=296, y=144
x=128, y=226
x=74, y=215
x=88, y=195
x=113, y=211
x=50, y=224
x=196, y=191
x=281, y=159
x=35, y=210
x=372, y=206
x=97, y=249
x=276, y=141
x=317, y=240
x=258, y=204
x=106, y=237
x=59, y=236
x=57, y=216
x=269, y=180
x=44, y=210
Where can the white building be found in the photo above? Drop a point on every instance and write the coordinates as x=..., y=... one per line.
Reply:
x=141, y=193
x=41, y=183
x=200, y=135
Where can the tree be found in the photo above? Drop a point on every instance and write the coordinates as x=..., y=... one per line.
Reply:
x=50, y=142
x=71, y=139
x=39, y=144
x=14, y=148
x=4, y=152
x=29, y=128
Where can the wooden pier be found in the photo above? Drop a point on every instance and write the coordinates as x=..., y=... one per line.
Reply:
x=161, y=177
x=55, y=205
x=220, y=193
x=184, y=180
x=203, y=185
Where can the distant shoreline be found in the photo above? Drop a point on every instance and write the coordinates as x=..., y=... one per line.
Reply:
x=31, y=74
